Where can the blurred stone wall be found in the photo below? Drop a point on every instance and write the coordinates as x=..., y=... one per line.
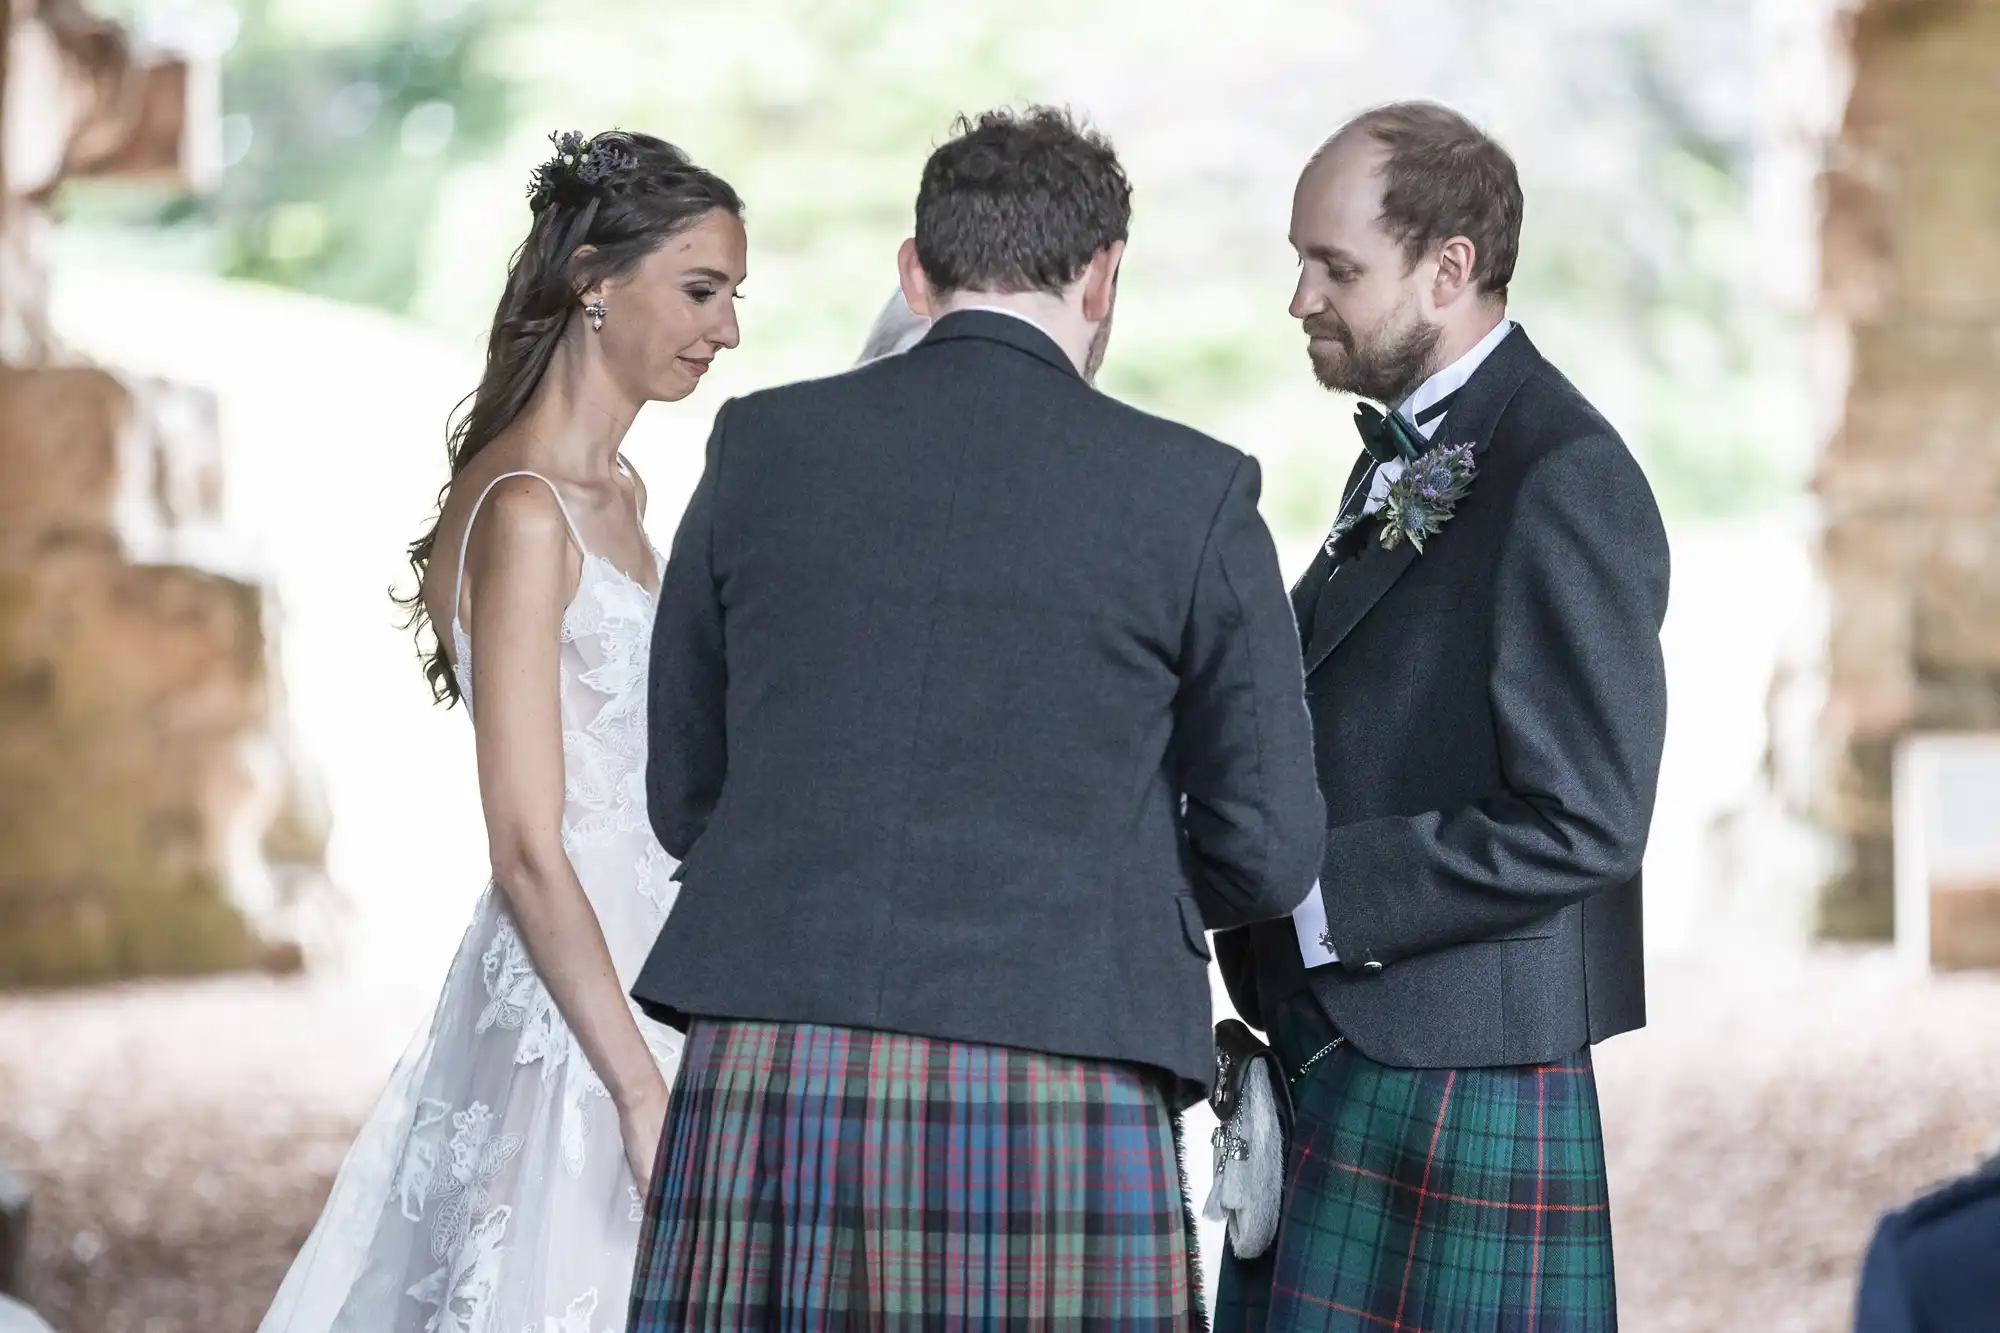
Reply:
x=1910, y=481
x=145, y=781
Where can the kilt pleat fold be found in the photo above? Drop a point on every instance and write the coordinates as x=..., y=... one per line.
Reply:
x=1436, y=1201
x=815, y=1179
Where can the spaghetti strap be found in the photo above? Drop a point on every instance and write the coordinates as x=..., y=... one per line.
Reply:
x=465, y=541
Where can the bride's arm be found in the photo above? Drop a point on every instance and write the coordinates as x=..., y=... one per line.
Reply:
x=522, y=572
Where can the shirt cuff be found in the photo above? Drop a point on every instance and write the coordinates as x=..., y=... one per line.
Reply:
x=1309, y=923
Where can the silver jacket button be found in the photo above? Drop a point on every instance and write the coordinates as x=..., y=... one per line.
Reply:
x=1371, y=967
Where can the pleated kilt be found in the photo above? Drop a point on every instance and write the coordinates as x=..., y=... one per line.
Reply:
x=817, y=1178
x=1434, y=1201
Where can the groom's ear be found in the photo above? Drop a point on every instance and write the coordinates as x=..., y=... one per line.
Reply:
x=916, y=283
x=1100, y=282
x=1457, y=262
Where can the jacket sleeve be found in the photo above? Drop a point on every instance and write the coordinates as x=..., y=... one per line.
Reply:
x=1578, y=688
x=687, y=751
x=1242, y=739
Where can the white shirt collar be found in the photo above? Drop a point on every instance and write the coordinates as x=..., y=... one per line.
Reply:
x=1452, y=378
x=1449, y=380
x=1003, y=310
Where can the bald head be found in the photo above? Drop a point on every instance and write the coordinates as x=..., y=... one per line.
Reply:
x=1441, y=176
x=1406, y=223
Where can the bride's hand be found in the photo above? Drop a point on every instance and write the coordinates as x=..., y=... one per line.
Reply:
x=641, y=1122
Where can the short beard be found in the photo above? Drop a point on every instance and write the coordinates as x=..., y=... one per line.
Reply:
x=1387, y=369
x=1093, y=360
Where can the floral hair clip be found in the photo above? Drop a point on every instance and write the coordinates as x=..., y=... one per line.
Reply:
x=580, y=164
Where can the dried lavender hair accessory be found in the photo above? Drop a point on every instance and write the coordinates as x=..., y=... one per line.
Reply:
x=579, y=165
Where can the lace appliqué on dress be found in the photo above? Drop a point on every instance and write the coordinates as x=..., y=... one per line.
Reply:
x=420, y=1160
x=656, y=879
x=466, y=1235
x=576, y=1319
x=463, y=1289
x=604, y=759
x=519, y=1000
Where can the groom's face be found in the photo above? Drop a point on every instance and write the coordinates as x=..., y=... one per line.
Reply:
x=1359, y=299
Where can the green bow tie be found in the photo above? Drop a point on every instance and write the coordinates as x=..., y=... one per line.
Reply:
x=1387, y=438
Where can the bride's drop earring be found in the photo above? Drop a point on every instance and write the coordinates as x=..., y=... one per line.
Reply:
x=595, y=310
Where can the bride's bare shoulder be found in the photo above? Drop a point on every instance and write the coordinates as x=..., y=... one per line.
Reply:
x=499, y=521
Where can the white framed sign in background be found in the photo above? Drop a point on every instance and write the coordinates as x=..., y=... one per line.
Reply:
x=1947, y=860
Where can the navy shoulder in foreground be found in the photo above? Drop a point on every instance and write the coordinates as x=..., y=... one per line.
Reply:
x=1934, y=1266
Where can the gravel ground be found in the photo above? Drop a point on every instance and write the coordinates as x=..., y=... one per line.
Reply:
x=181, y=1137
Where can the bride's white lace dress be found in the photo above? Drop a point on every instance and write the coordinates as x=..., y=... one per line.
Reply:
x=488, y=1191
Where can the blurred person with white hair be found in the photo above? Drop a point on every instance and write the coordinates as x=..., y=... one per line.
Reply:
x=896, y=329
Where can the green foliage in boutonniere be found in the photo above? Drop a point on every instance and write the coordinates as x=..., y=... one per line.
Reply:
x=1418, y=502
x=1425, y=496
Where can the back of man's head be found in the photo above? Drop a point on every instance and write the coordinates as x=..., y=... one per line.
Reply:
x=1019, y=202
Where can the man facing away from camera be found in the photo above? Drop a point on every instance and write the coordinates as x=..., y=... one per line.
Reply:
x=975, y=700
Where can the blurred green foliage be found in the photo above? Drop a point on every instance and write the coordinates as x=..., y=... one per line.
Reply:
x=342, y=147
x=339, y=138
x=379, y=150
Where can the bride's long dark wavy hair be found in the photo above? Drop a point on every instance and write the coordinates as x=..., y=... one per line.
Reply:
x=622, y=195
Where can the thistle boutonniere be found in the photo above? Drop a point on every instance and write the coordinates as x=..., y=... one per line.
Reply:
x=1426, y=495
x=1420, y=501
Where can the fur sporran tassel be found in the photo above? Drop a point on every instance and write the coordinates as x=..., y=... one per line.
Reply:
x=1249, y=1186
x=1253, y=1111
x=1197, y=1297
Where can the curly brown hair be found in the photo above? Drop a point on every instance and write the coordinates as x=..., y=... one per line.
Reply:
x=1019, y=202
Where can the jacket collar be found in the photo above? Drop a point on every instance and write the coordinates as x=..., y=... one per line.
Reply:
x=991, y=326
x=1476, y=410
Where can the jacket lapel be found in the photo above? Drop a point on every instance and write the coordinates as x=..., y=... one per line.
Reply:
x=1305, y=594
x=1354, y=587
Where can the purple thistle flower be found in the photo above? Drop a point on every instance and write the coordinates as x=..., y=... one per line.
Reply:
x=1421, y=500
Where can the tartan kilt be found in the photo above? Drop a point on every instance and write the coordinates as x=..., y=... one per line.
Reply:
x=819, y=1178
x=1436, y=1201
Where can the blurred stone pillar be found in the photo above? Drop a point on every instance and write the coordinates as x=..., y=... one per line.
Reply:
x=1910, y=481
x=145, y=779
x=78, y=100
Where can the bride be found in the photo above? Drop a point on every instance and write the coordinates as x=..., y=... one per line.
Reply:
x=496, y=1186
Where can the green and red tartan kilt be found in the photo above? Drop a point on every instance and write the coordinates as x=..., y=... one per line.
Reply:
x=817, y=1178
x=1436, y=1201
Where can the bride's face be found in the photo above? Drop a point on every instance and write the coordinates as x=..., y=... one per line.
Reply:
x=667, y=319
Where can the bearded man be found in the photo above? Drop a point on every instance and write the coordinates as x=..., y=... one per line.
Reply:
x=1481, y=641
